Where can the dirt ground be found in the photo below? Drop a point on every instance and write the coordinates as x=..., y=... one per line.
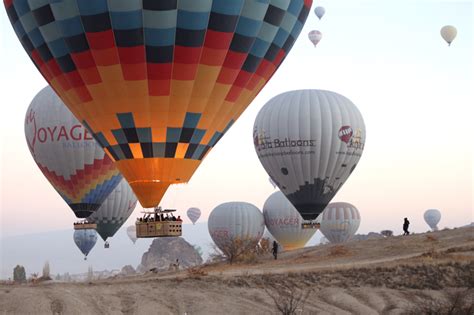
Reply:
x=396, y=275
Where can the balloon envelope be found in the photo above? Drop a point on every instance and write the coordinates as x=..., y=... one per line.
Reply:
x=339, y=222
x=284, y=222
x=448, y=32
x=235, y=221
x=319, y=11
x=157, y=82
x=85, y=240
x=132, y=233
x=432, y=218
x=115, y=210
x=315, y=37
x=309, y=142
x=71, y=160
x=194, y=214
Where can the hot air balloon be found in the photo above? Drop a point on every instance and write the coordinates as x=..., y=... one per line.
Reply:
x=432, y=218
x=194, y=214
x=284, y=222
x=309, y=142
x=85, y=240
x=132, y=233
x=71, y=160
x=315, y=36
x=319, y=11
x=115, y=210
x=233, y=222
x=158, y=83
x=339, y=222
x=448, y=32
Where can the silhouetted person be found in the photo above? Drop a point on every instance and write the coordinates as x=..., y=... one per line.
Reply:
x=275, y=249
x=406, y=224
x=179, y=218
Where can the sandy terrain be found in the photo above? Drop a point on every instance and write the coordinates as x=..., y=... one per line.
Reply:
x=397, y=275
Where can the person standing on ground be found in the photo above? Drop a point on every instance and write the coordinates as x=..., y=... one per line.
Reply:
x=406, y=224
x=275, y=249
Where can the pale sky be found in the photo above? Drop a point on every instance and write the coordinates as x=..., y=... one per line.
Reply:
x=414, y=92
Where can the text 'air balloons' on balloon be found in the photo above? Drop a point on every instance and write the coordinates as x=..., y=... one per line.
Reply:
x=235, y=222
x=115, y=210
x=319, y=11
x=85, y=240
x=309, y=142
x=71, y=160
x=193, y=214
x=284, y=222
x=315, y=37
x=432, y=218
x=448, y=33
x=132, y=233
x=157, y=82
x=339, y=222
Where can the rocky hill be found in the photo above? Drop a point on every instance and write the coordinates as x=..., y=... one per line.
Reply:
x=163, y=252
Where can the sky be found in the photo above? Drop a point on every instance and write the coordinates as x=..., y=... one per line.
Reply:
x=414, y=92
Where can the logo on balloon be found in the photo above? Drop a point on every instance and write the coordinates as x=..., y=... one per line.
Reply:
x=30, y=122
x=345, y=133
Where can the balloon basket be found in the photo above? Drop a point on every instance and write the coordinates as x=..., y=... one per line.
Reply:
x=310, y=225
x=84, y=226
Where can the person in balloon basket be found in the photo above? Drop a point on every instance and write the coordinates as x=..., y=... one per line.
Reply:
x=406, y=224
x=275, y=249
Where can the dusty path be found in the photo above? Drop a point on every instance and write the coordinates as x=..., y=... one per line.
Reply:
x=387, y=276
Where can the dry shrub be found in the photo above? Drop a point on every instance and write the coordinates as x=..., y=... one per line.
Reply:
x=196, y=272
x=431, y=238
x=236, y=249
x=265, y=246
x=338, y=250
x=288, y=298
x=457, y=303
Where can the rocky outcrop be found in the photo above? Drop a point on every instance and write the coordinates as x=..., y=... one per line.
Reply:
x=163, y=253
x=370, y=236
x=19, y=274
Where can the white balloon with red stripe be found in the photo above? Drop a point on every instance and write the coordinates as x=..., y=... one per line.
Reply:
x=339, y=222
x=194, y=214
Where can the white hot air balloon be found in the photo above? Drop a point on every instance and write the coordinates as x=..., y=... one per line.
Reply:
x=194, y=214
x=319, y=11
x=115, y=210
x=448, y=32
x=339, y=222
x=235, y=221
x=85, y=240
x=309, y=142
x=132, y=233
x=284, y=222
x=432, y=218
x=315, y=37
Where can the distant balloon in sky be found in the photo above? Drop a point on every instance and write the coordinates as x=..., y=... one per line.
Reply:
x=309, y=142
x=432, y=218
x=319, y=11
x=284, y=222
x=85, y=240
x=315, y=37
x=339, y=222
x=115, y=210
x=72, y=161
x=193, y=214
x=132, y=233
x=235, y=221
x=160, y=82
x=448, y=32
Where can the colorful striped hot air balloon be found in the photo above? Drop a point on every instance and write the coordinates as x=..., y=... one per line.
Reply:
x=71, y=160
x=157, y=82
x=194, y=214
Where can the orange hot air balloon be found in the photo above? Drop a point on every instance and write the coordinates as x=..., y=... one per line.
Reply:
x=158, y=83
